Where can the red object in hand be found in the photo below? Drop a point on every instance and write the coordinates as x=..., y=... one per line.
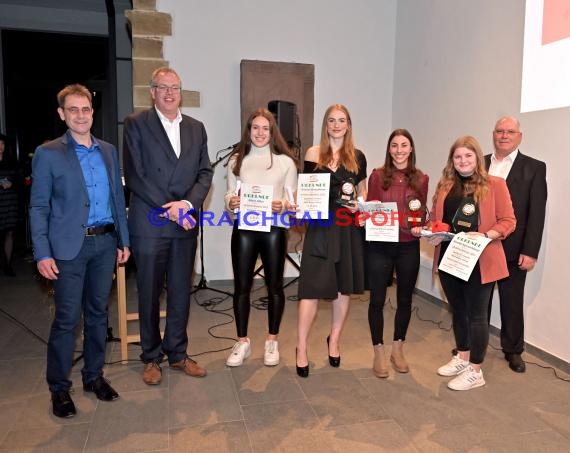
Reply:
x=439, y=226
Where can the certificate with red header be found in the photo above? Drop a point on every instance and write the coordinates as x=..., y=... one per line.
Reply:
x=313, y=195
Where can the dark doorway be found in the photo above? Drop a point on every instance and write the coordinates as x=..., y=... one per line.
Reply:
x=36, y=66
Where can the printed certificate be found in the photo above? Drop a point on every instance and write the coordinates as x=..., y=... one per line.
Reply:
x=383, y=225
x=369, y=206
x=462, y=255
x=313, y=195
x=255, y=207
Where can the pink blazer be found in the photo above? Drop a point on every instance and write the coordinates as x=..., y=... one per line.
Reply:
x=495, y=213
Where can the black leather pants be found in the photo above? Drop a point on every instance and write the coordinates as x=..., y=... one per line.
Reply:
x=246, y=247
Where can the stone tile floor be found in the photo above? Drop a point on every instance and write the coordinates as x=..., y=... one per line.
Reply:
x=254, y=408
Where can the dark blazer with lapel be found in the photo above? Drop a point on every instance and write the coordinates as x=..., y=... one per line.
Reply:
x=527, y=186
x=59, y=202
x=155, y=176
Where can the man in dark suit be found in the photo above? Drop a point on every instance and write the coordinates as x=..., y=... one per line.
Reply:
x=79, y=230
x=167, y=170
x=526, y=180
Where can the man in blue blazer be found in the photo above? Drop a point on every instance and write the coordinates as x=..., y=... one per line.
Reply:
x=167, y=170
x=526, y=180
x=79, y=231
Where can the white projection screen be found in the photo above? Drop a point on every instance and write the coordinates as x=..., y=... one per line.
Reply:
x=546, y=55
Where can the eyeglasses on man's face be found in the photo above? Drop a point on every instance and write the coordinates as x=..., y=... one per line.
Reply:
x=509, y=132
x=76, y=110
x=163, y=88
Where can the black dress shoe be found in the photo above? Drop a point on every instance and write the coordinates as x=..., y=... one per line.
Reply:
x=102, y=389
x=62, y=404
x=516, y=363
x=333, y=361
x=302, y=371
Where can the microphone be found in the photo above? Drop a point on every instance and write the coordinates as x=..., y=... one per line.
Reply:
x=230, y=147
x=226, y=149
x=224, y=156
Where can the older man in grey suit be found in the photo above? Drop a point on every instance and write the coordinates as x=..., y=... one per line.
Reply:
x=168, y=172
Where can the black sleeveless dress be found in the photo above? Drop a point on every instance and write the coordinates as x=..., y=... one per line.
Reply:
x=9, y=209
x=333, y=257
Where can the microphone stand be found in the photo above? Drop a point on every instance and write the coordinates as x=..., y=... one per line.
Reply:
x=203, y=283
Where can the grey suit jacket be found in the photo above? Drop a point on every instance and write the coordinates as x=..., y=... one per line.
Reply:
x=155, y=176
x=59, y=202
x=527, y=186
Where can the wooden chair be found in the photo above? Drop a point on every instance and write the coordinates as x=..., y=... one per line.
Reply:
x=125, y=317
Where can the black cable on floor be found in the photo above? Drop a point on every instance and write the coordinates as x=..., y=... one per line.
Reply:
x=211, y=304
x=416, y=311
x=22, y=325
x=448, y=329
x=545, y=367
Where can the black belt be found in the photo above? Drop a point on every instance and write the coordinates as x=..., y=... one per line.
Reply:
x=97, y=230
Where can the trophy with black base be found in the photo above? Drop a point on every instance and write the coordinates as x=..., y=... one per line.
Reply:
x=347, y=193
x=417, y=212
x=466, y=216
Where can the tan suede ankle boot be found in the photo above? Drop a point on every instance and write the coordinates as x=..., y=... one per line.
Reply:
x=380, y=365
x=397, y=357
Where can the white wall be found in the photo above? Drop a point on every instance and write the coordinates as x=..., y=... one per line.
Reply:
x=350, y=44
x=457, y=69
x=454, y=68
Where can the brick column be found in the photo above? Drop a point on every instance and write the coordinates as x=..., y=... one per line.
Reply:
x=148, y=28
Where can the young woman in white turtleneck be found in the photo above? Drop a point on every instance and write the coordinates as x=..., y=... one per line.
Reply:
x=261, y=157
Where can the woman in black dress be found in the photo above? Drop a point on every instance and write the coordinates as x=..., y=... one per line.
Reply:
x=332, y=266
x=8, y=207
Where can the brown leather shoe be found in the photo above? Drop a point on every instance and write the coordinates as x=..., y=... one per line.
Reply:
x=190, y=367
x=152, y=374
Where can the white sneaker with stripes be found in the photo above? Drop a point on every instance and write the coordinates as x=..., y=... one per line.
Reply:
x=454, y=367
x=467, y=380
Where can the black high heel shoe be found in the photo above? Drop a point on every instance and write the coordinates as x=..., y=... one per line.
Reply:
x=302, y=371
x=333, y=361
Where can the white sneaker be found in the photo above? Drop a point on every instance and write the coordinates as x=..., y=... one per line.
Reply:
x=240, y=352
x=454, y=367
x=271, y=354
x=467, y=380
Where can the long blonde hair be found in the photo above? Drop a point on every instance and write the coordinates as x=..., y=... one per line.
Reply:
x=347, y=152
x=478, y=185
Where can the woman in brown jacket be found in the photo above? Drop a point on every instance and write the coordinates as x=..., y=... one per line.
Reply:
x=470, y=200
